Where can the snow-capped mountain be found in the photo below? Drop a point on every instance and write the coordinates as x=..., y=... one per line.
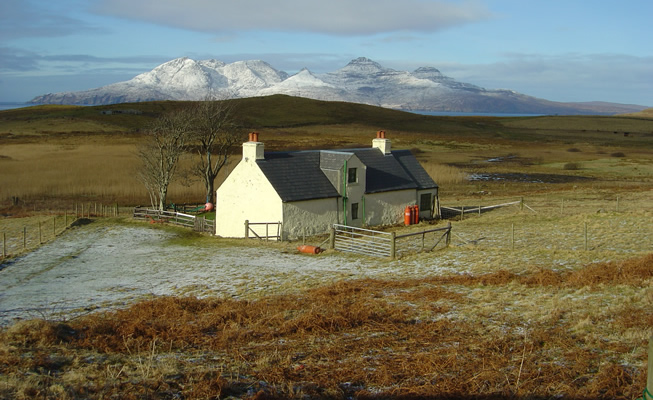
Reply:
x=360, y=81
x=179, y=79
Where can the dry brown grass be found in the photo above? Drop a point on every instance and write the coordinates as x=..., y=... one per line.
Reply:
x=366, y=338
x=67, y=171
x=445, y=174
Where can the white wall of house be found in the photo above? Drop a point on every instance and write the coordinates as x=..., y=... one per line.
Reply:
x=387, y=208
x=246, y=195
x=310, y=217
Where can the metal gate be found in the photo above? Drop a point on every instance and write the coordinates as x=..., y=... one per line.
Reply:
x=363, y=241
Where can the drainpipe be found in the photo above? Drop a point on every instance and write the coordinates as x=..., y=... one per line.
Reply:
x=344, y=195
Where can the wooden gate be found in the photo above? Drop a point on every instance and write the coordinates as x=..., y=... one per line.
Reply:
x=362, y=241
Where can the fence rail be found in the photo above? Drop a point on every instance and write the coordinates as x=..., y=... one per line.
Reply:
x=260, y=235
x=451, y=212
x=426, y=240
x=199, y=224
x=362, y=241
x=386, y=244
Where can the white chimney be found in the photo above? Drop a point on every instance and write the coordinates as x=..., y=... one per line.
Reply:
x=253, y=149
x=381, y=142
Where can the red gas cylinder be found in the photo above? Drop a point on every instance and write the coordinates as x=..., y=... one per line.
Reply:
x=309, y=249
x=415, y=214
x=408, y=216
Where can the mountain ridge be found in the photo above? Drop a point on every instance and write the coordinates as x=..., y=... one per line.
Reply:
x=362, y=80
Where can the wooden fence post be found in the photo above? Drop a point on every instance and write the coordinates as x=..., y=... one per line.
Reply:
x=393, y=246
x=423, y=237
x=246, y=229
x=448, y=240
x=512, y=236
x=332, y=238
x=649, y=378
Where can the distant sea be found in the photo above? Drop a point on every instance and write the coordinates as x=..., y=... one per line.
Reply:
x=9, y=106
x=472, y=114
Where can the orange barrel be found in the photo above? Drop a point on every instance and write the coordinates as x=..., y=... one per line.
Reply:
x=416, y=214
x=408, y=216
x=309, y=249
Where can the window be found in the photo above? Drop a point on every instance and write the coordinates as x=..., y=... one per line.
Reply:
x=354, y=211
x=425, y=202
x=351, y=176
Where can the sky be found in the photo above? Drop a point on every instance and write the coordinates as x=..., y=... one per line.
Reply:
x=560, y=50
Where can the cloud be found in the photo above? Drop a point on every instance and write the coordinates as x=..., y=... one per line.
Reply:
x=333, y=17
x=17, y=60
x=24, y=19
x=564, y=77
x=22, y=61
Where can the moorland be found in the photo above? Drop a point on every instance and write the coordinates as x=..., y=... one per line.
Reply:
x=547, y=318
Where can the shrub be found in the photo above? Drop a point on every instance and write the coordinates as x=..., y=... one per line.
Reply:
x=573, y=150
x=618, y=154
x=571, y=166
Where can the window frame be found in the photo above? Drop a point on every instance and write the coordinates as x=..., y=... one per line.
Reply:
x=421, y=201
x=354, y=211
x=354, y=174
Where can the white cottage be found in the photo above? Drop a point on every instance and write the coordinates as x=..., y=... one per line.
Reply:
x=308, y=191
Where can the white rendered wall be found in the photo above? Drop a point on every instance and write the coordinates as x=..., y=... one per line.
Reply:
x=245, y=195
x=310, y=217
x=387, y=208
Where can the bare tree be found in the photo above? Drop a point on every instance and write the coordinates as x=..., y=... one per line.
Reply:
x=215, y=134
x=167, y=140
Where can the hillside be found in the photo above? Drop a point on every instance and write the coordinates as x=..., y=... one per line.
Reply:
x=648, y=113
x=284, y=112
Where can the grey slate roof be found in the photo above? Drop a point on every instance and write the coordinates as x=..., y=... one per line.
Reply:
x=384, y=173
x=298, y=175
x=414, y=169
x=333, y=159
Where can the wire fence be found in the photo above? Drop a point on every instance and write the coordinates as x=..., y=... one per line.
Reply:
x=19, y=235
